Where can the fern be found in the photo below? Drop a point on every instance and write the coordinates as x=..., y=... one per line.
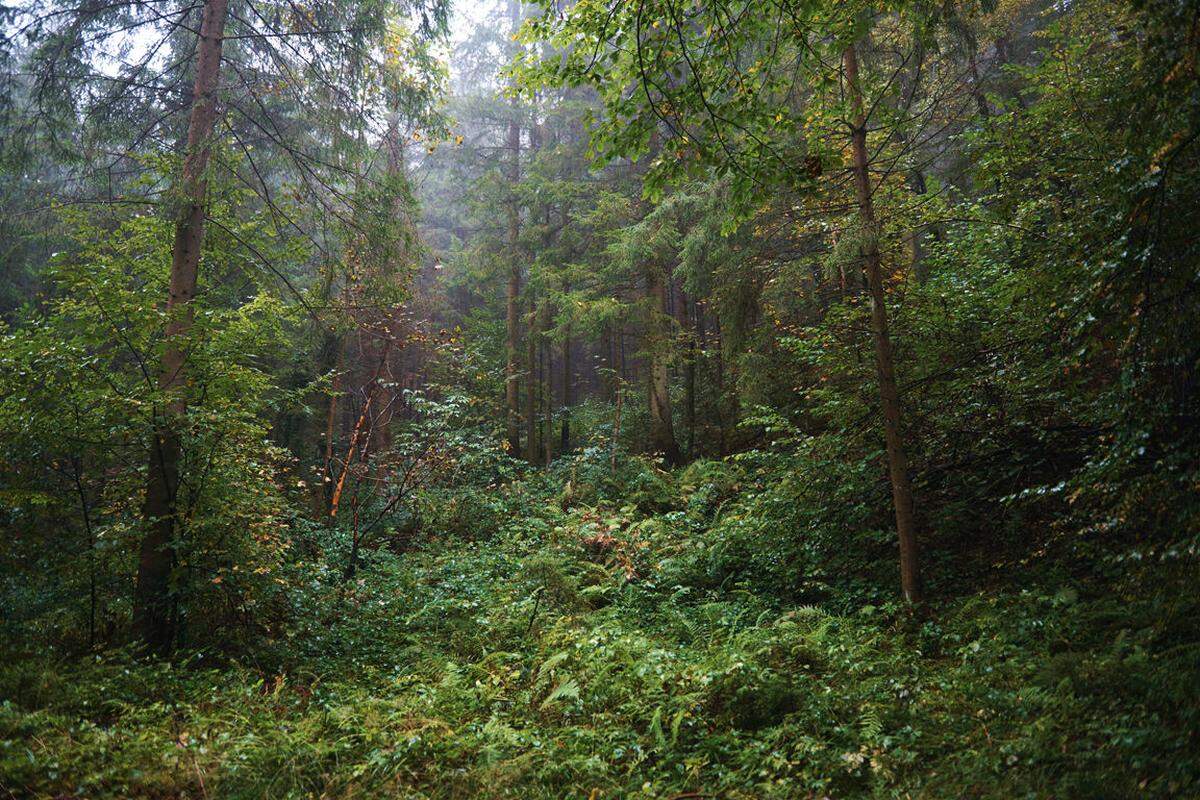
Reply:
x=566, y=689
x=870, y=725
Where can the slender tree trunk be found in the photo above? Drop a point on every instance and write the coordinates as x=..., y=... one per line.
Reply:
x=841, y=266
x=722, y=422
x=616, y=431
x=902, y=496
x=702, y=350
x=513, y=333
x=514, y=290
x=981, y=102
x=662, y=431
x=532, y=451
x=357, y=436
x=683, y=316
x=77, y=477
x=608, y=382
x=152, y=595
x=565, y=438
x=547, y=382
x=325, y=496
x=397, y=172
x=381, y=426
x=919, y=266
x=620, y=354
x=910, y=80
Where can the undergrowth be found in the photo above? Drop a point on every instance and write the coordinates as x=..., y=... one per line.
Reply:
x=591, y=648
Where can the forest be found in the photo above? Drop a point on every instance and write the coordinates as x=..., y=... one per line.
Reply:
x=598, y=399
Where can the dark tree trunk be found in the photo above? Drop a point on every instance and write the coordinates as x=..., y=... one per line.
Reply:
x=567, y=399
x=511, y=296
x=981, y=102
x=152, y=607
x=722, y=417
x=902, y=497
x=702, y=351
x=683, y=315
x=662, y=431
x=919, y=266
x=85, y=511
x=608, y=353
x=513, y=333
x=533, y=452
x=547, y=362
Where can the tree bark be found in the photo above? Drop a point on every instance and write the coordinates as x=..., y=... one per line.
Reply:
x=152, y=608
x=608, y=382
x=662, y=431
x=514, y=290
x=531, y=387
x=333, y=350
x=719, y=349
x=513, y=333
x=902, y=497
x=684, y=317
x=565, y=438
x=616, y=431
x=547, y=380
x=919, y=266
x=84, y=508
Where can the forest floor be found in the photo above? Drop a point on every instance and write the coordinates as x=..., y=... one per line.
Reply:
x=593, y=653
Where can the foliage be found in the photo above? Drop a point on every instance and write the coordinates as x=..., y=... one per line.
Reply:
x=642, y=215
x=544, y=665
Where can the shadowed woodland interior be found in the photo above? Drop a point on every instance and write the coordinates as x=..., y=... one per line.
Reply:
x=599, y=399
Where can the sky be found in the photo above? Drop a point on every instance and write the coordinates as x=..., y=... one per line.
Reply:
x=465, y=16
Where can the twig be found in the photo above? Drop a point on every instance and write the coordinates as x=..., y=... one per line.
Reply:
x=537, y=601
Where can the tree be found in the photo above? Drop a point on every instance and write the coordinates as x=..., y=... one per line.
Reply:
x=513, y=291
x=152, y=600
x=659, y=343
x=759, y=115
x=902, y=499
x=232, y=83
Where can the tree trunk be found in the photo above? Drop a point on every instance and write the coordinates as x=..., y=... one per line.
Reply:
x=547, y=379
x=77, y=477
x=616, y=431
x=919, y=266
x=702, y=360
x=325, y=495
x=514, y=290
x=977, y=84
x=622, y=376
x=532, y=452
x=722, y=417
x=662, y=432
x=902, y=496
x=357, y=437
x=683, y=316
x=513, y=333
x=565, y=438
x=608, y=374
x=152, y=595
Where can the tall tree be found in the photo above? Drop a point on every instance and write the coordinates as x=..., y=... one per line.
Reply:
x=152, y=599
x=659, y=341
x=902, y=497
x=513, y=290
x=568, y=379
x=533, y=451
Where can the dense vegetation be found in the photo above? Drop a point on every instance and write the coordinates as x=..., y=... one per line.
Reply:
x=601, y=399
